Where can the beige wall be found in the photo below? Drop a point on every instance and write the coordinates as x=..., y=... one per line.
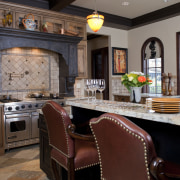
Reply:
x=133, y=40
x=164, y=30
x=116, y=38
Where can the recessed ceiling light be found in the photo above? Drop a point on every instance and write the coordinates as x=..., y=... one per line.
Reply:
x=125, y=3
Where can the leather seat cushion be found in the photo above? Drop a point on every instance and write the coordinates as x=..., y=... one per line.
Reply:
x=85, y=154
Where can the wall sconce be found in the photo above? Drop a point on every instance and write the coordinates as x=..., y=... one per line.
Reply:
x=7, y=20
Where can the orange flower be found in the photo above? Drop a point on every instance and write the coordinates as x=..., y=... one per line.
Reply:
x=141, y=79
x=149, y=80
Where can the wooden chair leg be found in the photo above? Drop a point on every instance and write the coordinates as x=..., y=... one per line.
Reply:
x=71, y=172
x=55, y=170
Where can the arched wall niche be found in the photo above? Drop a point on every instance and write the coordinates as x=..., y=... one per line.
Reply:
x=65, y=46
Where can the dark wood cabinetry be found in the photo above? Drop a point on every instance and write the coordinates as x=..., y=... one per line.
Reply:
x=44, y=148
x=166, y=137
x=127, y=99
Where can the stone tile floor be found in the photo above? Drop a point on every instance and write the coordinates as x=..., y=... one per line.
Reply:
x=21, y=164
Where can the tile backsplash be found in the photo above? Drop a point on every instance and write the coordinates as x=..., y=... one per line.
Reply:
x=27, y=70
x=21, y=72
x=118, y=88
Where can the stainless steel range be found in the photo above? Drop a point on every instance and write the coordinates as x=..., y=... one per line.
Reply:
x=21, y=122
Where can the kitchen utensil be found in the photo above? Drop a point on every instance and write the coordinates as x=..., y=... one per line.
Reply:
x=36, y=95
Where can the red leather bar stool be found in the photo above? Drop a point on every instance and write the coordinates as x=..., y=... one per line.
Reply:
x=70, y=150
x=127, y=152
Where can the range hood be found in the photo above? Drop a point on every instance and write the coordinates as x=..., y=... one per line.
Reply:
x=65, y=46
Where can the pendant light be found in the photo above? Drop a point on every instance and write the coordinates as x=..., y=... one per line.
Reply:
x=95, y=20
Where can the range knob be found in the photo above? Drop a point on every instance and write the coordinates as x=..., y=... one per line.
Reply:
x=17, y=108
x=36, y=105
x=30, y=106
x=23, y=106
x=61, y=103
x=9, y=108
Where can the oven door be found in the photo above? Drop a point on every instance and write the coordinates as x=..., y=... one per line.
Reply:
x=17, y=127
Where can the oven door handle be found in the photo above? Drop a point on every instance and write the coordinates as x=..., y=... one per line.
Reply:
x=16, y=116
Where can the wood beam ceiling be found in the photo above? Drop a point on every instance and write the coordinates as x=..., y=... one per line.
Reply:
x=57, y=5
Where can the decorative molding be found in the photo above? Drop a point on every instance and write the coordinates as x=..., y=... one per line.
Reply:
x=36, y=35
x=110, y=20
x=126, y=23
x=158, y=15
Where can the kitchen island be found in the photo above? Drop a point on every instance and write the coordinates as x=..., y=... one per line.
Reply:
x=163, y=128
x=126, y=109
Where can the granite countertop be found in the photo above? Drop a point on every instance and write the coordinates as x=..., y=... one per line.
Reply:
x=126, y=109
x=148, y=95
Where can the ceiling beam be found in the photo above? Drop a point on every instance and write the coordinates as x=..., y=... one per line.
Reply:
x=161, y=14
x=110, y=20
x=57, y=5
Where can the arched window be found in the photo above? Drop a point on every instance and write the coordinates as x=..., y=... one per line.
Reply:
x=152, y=60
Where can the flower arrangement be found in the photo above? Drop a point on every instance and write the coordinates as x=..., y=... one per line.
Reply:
x=135, y=79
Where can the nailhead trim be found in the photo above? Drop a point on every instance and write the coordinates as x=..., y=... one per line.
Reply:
x=83, y=167
x=130, y=132
x=67, y=155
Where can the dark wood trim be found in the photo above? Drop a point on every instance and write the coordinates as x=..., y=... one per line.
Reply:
x=158, y=15
x=126, y=23
x=93, y=36
x=110, y=20
x=178, y=61
x=113, y=21
x=57, y=5
x=143, y=54
x=44, y=4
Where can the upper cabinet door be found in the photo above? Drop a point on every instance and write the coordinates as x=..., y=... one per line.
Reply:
x=82, y=59
x=77, y=29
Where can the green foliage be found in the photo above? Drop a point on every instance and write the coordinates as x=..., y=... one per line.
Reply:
x=131, y=80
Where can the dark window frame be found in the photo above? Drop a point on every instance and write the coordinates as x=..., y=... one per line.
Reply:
x=145, y=88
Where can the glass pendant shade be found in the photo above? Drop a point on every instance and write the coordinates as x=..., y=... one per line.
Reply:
x=95, y=21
